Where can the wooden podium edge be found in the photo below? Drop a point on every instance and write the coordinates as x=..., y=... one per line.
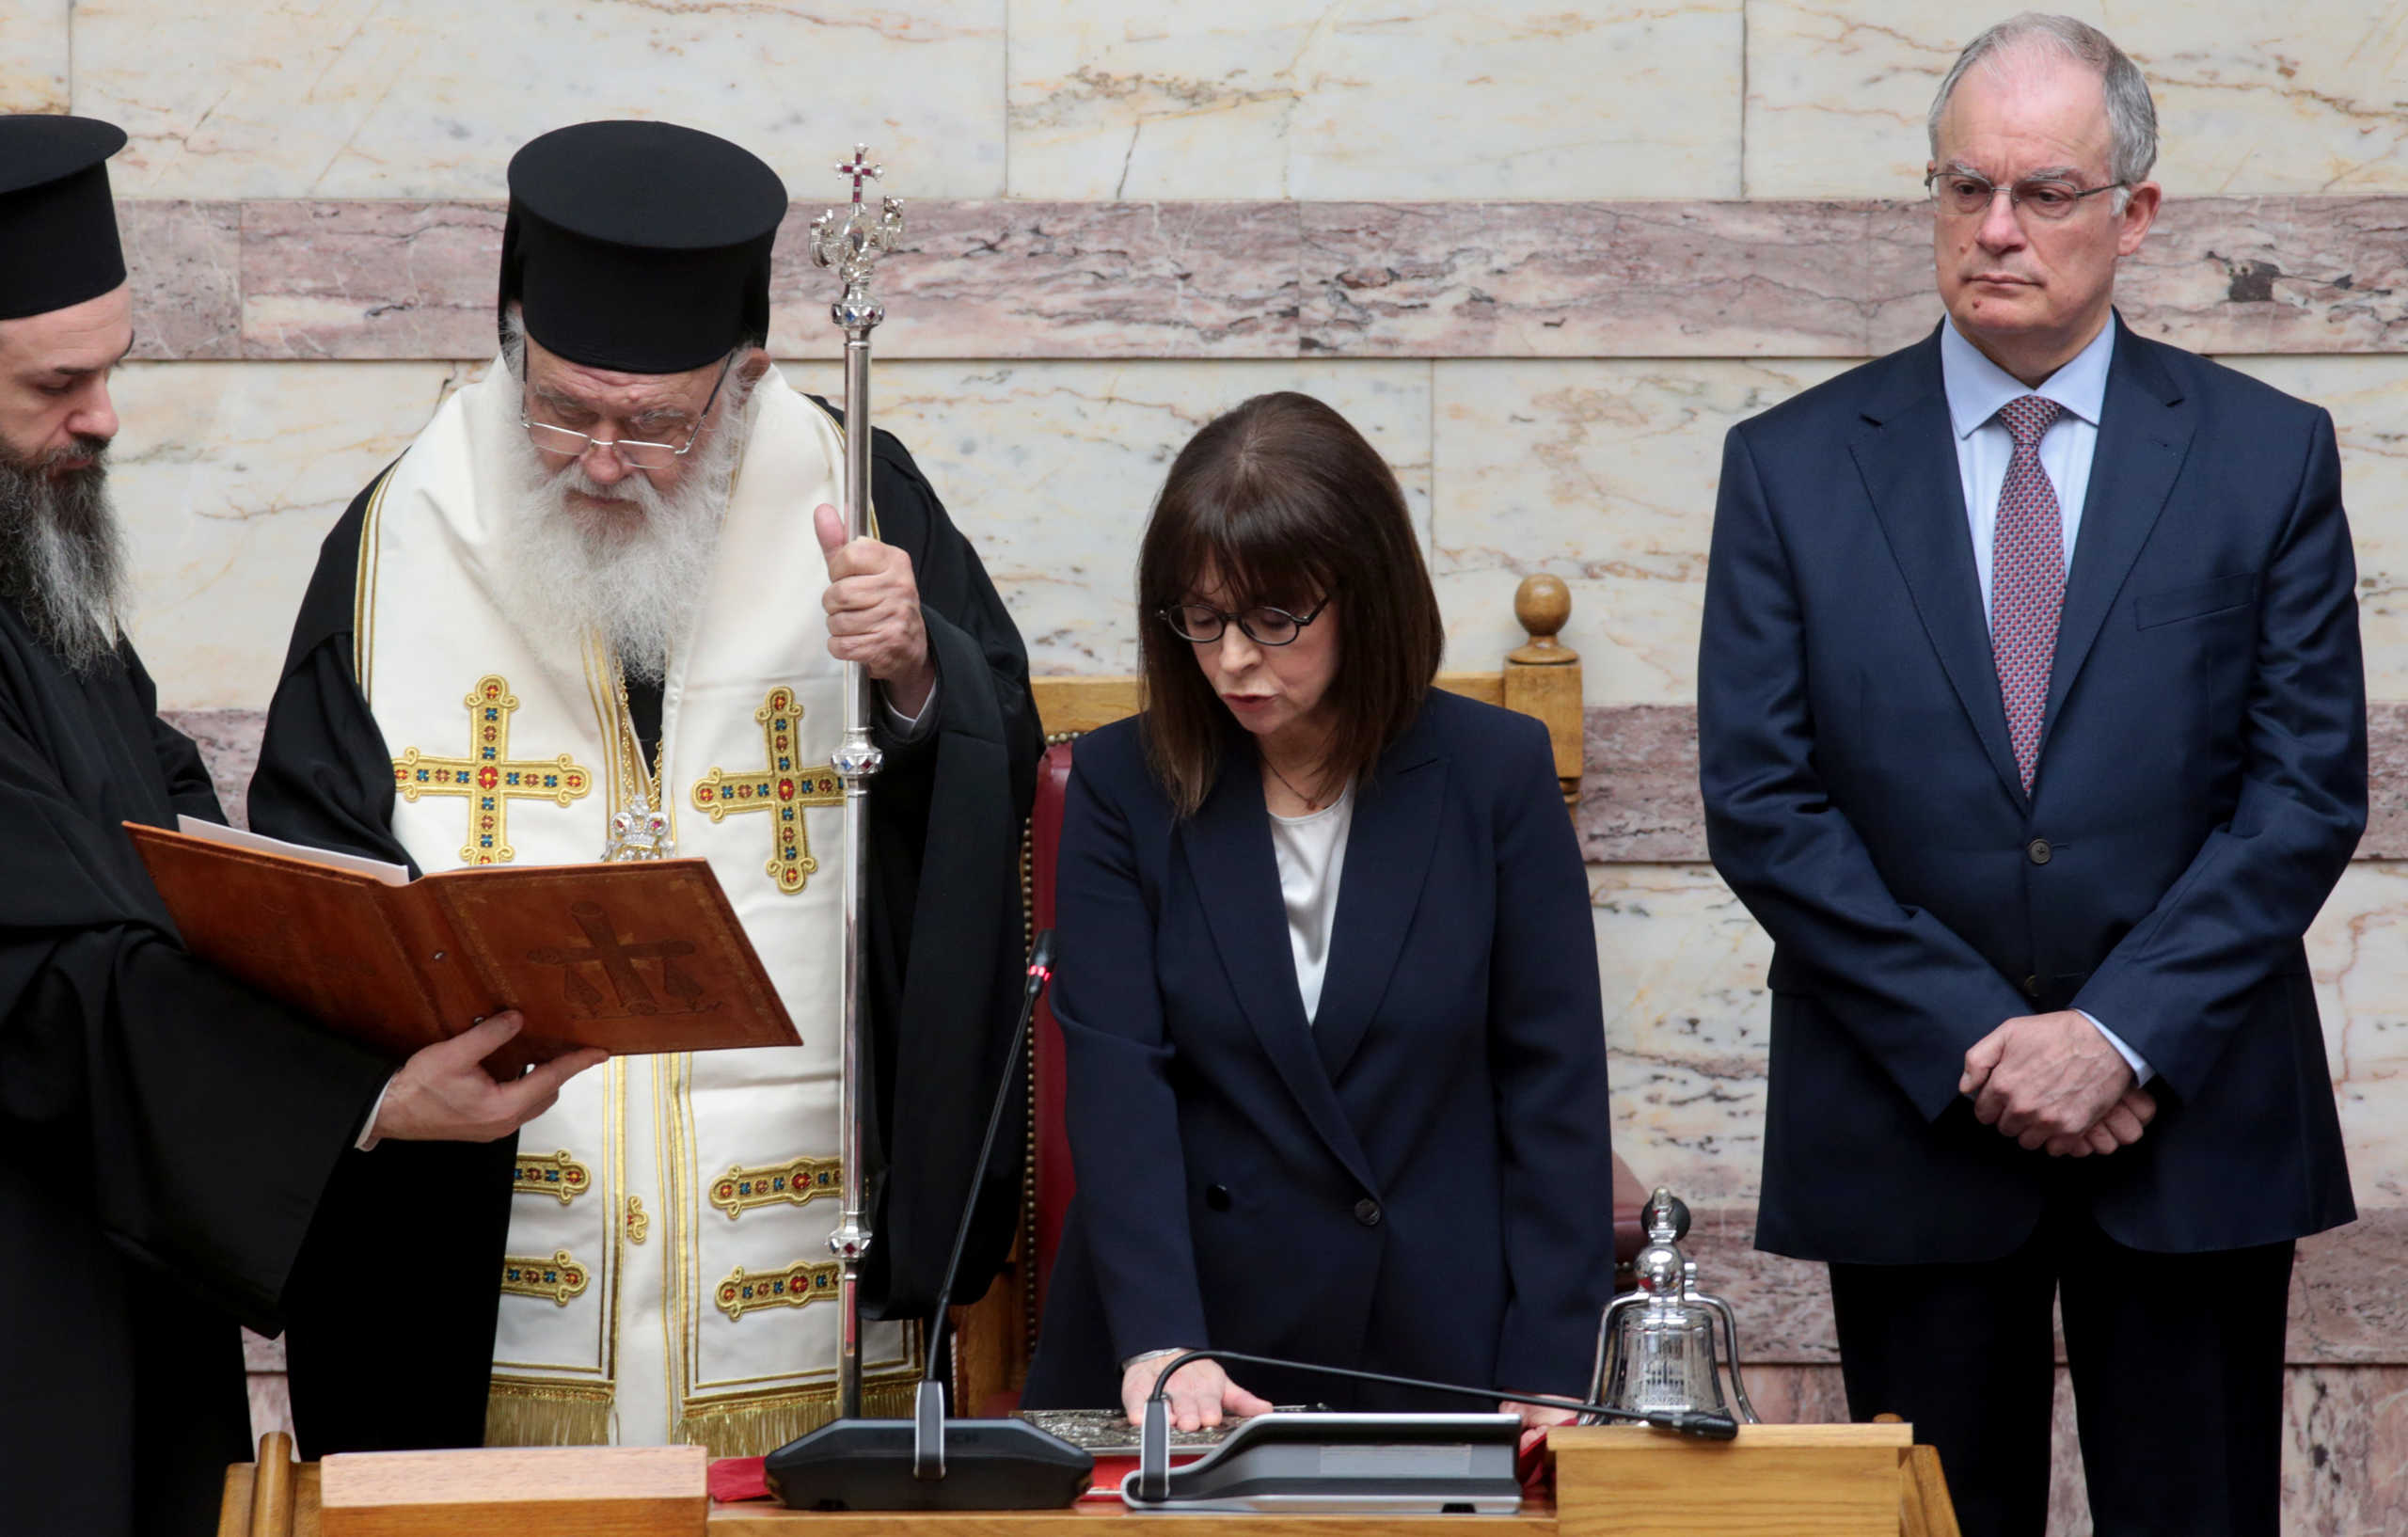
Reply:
x=278, y=1497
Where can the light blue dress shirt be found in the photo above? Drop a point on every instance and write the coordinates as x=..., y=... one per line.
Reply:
x=1977, y=389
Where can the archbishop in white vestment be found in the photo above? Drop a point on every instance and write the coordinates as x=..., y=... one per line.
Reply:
x=519, y=652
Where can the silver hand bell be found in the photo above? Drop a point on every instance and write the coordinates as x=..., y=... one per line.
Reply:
x=1656, y=1343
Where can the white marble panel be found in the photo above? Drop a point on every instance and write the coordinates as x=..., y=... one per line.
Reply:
x=34, y=55
x=1155, y=97
x=360, y=99
x=1428, y=99
x=1681, y=966
x=2368, y=399
x=2253, y=96
x=1051, y=468
x=2358, y=950
x=227, y=476
x=1602, y=472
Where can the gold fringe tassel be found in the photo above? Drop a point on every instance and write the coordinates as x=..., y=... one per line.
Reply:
x=550, y=1413
x=755, y=1427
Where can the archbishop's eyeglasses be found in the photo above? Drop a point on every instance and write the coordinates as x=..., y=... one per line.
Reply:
x=1965, y=194
x=633, y=452
x=1201, y=625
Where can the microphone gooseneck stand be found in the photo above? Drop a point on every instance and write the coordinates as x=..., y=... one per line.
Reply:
x=902, y=1464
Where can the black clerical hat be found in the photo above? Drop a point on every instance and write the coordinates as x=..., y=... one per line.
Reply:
x=58, y=243
x=640, y=247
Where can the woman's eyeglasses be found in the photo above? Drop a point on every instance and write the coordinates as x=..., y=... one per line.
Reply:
x=1201, y=625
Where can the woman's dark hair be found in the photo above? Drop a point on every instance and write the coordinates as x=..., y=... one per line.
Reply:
x=1282, y=502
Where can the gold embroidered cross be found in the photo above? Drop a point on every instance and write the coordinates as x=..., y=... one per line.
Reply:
x=489, y=777
x=781, y=788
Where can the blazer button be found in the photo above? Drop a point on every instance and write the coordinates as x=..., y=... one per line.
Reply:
x=1367, y=1212
x=2032, y=986
x=1217, y=1197
x=2038, y=850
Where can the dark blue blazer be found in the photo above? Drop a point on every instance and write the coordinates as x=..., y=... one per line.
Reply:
x=2201, y=784
x=1420, y=1180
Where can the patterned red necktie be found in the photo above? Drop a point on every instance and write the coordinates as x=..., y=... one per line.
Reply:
x=2027, y=579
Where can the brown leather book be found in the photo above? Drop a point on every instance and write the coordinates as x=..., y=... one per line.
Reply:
x=630, y=958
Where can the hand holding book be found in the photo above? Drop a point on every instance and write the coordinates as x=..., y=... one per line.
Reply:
x=443, y=1093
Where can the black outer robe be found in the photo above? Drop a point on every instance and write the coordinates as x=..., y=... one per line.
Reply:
x=164, y=1133
x=406, y=1362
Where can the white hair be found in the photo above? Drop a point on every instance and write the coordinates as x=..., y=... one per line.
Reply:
x=637, y=579
x=2132, y=116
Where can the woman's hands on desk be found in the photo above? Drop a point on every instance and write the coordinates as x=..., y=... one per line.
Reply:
x=1200, y=1393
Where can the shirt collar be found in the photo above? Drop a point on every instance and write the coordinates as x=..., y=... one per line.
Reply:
x=1977, y=388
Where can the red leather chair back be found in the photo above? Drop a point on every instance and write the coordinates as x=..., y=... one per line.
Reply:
x=1053, y=1180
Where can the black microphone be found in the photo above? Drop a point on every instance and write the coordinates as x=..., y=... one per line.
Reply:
x=900, y=1464
x=1153, y=1439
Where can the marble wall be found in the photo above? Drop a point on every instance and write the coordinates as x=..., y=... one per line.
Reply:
x=1543, y=253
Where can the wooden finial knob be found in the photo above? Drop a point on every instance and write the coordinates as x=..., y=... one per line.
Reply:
x=1540, y=605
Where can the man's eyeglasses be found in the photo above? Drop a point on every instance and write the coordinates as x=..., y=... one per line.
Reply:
x=1201, y=625
x=633, y=452
x=1964, y=194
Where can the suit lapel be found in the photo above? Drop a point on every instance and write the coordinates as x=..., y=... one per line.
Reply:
x=1388, y=860
x=1906, y=454
x=2144, y=434
x=1227, y=844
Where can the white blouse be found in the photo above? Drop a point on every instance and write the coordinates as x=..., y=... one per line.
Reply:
x=1311, y=850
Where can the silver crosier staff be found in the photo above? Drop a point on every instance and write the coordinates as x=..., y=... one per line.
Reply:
x=850, y=240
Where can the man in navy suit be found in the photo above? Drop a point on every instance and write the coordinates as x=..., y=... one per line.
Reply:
x=2033, y=729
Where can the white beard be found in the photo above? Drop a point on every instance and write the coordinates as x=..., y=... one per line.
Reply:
x=637, y=579
x=62, y=555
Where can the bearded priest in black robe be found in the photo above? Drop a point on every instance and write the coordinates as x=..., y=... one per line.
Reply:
x=618, y=550
x=166, y=1134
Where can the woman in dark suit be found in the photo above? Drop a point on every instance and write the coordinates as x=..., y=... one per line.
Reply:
x=1328, y=981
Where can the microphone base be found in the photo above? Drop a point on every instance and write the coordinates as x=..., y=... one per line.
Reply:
x=989, y=1465
x=1321, y=1463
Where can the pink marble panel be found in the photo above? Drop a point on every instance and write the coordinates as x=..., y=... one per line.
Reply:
x=2347, y=1308
x=2386, y=835
x=1278, y=278
x=1814, y=278
x=271, y=1403
x=2347, y=1302
x=183, y=262
x=2274, y=275
x=1063, y=280
x=230, y=745
x=262, y=1355
x=365, y=279
x=1798, y=1395
x=1634, y=279
x=2345, y=1451
x=1638, y=801
x=1639, y=796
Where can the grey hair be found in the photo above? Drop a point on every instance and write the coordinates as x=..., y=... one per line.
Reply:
x=513, y=355
x=513, y=342
x=2132, y=116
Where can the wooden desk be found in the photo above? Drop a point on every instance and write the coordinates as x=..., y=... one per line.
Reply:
x=1775, y=1480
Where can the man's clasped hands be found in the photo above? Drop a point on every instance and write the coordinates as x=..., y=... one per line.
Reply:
x=2053, y=1082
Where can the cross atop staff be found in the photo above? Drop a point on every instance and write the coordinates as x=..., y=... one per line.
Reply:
x=860, y=169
